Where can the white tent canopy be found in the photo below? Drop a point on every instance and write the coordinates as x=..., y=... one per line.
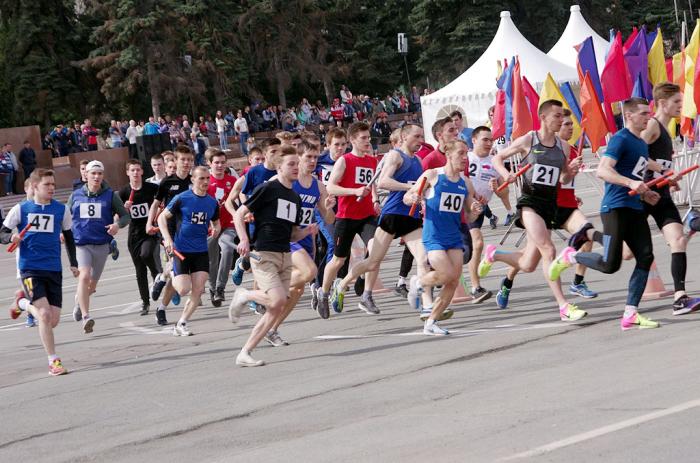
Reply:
x=577, y=30
x=475, y=90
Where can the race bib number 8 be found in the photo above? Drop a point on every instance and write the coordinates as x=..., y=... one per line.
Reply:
x=326, y=173
x=451, y=202
x=286, y=210
x=41, y=223
x=90, y=211
x=363, y=175
x=543, y=174
x=307, y=215
x=139, y=211
x=640, y=168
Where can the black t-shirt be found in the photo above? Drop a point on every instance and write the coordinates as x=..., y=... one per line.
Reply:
x=171, y=186
x=143, y=199
x=276, y=209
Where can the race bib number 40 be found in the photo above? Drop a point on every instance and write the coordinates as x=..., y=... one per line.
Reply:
x=363, y=175
x=90, y=210
x=42, y=223
x=543, y=174
x=139, y=211
x=451, y=202
x=286, y=210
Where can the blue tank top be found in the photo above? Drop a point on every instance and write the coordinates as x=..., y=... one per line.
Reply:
x=408, y=172
x=443, y=209
x=193, y=214
x=41, y=247
x=91, y=214
x=309, y=199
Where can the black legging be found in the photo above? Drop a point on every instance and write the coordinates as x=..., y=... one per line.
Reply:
x=143, y=254
x=406, y=262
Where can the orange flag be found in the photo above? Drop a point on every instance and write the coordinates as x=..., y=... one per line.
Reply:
x=522, y=119
x=592, y=117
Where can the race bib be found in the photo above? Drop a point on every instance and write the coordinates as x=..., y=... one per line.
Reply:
x=665, y=165
x=219, y=194
x=451, y=202
x=568, y=186
x=286, y=210
x=90, y=210
x=307, y=215
x=41, y=223
x=640, y=168
x=198, y=218
x=139, y=211
x=326, y=173
x=543, y=174
x=472, y=169
x=363, y=175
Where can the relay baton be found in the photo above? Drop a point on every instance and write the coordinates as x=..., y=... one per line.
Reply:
x=374, y=179
x=131, y=196
x=665, y=181
x=579, y=153
x=421, y=186
x=178, y=254
x=13, y=246
x=520, y=172
x=654, y=182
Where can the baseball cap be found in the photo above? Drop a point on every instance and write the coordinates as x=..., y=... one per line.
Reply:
x=95, y=165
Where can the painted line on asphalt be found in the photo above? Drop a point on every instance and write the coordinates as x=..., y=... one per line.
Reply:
x=614, y=427
x=69, y=315
x=75, y=285
x=131, y=326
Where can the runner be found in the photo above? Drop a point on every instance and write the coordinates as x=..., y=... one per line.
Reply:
x=255, y=157
x=171, y=186
x=29, y=191
x=277, y=210
x=349, y=181
x=448, y=193
x=158, y=168
x=623, y=167
x=40, y=258
x=142, y=246
x=221, y=248
x=499, y=144
x=537, y=206
x=93, y=207
x=193, y=211
x=668, y=100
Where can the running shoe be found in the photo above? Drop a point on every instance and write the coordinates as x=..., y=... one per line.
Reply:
x=487, y=261
x=217, y=297
x=31, y=321
x=77, y=313
x=323, y=305
x=368, y=306
x=691, y=220
x=114, y=250
x=256, y=308
x=582, y=290
x=561, y=263
x=685, y=305
x=479, y=295
x=181, y=330
x=15, y=311
x=314, y=296
x=502, y=296
x=445, y=315
x=238, y=303
x=56, y=368
x=176, y=298
x=144, y=309
x=88, y=325
x=237, y=274
x=273, y=338
x=414, y=293
x=359, y=285
x=571, y=313
x=579, y=237
x=245, y=360
x=160, y=317
x=434, y=330
x=337, y=297
x=509, y=219
x=637, y=320
x=157, y=286
x=401, y=290
x=493, y=221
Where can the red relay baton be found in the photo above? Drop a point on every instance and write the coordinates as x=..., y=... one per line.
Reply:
x=520, y=172
x=13, y=246
x=420, y=193
x=665, y=181
x=178, y=254
x=652, y=183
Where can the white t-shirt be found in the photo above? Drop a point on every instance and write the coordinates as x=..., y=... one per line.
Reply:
x=132, y=133
x=220, y=124
x=240, y=125
x=481, y=171
x=499, y=144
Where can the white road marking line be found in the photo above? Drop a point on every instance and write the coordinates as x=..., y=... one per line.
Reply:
x=75, y=285
x=456, y=333
x=614, y=427
x=143, y=330
x=69, y=315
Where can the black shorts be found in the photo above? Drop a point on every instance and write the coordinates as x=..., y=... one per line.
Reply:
x=194, y=262
x=42, y=283
x=545, y=208
x=345, y=231
x=399, y=225
x=479, y=222
x=562, y=215
x=663, y=212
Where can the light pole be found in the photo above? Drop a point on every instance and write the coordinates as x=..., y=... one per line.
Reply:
x=402, y=46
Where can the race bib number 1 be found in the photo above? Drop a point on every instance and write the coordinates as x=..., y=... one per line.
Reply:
x=451, y=202
x=363, y=175
x=139, y=211
x=90, y=210
x=286, y=210
x=568, y=186
x=543, y=174
x=42, y=223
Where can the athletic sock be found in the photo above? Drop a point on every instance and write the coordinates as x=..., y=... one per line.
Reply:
x=679, y=264
x=509, y=211
x=52, y=358
x=402, y=281
x=630, y=310
x=24, y=304
x=507, y=283
x=161, y=307
x=578, y=279
x=366, y=295
x=182, y=322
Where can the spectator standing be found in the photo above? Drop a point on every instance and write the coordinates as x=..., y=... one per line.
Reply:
x=240, y=125
x=8, y=168
x=221, y=124
x=131, y=134
x=61, y=140
x=198, y=147
x=151, y=127
x=229, y=125
x=337, y=112
x=414, y=100
x=27, y=157
x=345, y=95
x=115, y=134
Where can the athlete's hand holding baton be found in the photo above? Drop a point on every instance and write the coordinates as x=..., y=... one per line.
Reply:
x=17, y=238
x=680, y=174
x=421, y=187
x=513, y=177
x=644, y=187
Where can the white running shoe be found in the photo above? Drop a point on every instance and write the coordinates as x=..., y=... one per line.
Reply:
x=77, y=314
x=181, y=330
x=238, y=304
x=414, y=292
x=432, y=329
x=245, y=360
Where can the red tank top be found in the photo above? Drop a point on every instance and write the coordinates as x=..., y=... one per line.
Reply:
x=358, y=172
x=219, y=190
x=565, y=192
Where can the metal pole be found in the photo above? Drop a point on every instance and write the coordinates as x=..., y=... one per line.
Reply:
x=690, y=5
x=408, y=76
x=675, y=8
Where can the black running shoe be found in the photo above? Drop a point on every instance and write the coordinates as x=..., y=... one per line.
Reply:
x=157, y=286
x=144, y=309
x=579, y=238
x=401, y=290
x=160, y=317
x=359, y=286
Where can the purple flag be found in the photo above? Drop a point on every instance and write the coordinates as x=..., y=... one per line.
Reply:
x=638, y=90
x=506, y=82
x=637, y=62
x=587, y=63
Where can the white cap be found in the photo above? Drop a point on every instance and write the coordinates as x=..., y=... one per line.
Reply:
x=95, y=165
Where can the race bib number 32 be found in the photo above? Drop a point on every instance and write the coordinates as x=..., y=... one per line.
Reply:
x=42, y=223
x=286, y=210
x=543, y=174
x=363, y=175
x=90, y=210
x=451, y=202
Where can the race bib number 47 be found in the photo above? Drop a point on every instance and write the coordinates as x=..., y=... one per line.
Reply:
x=42, y=223
x=90, y=210
x=543, y=174
x=363, y=175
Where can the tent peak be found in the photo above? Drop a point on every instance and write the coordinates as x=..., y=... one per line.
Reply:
x=505, y=14
x=575, y=8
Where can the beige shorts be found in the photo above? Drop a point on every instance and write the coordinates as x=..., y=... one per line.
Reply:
x=272, y=270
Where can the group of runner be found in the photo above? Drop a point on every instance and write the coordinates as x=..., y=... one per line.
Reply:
x=291, y=219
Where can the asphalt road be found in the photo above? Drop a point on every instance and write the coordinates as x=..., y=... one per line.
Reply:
x=516, y=385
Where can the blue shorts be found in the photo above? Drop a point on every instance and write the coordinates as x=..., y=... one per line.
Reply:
x=306, y=245
x=479, y=222
x=442, y=246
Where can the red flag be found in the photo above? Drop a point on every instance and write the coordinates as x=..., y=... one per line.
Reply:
x=522, y=121
x=616, y=81
x=498, y=127
x=630, y=40
x=592, y=117
x=669, y=69
x=533, y=100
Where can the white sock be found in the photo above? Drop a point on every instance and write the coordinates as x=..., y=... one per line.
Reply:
x=630, y=310
x=182, y=321
x=509, y=211
x=402, y=281
x=161, y=307
x=24, y=304
x=429, y=322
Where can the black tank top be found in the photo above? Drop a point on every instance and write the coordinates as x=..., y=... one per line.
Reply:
x=661, y=151
x=547, y=163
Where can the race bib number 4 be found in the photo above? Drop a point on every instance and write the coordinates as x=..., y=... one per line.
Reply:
x=139, y=211
x=90, y=211
x=307, y=215
x=286, y=210
x=543, y=174
x=41, y=223
x=363, y=175
x=451, y=202
x=640, y=168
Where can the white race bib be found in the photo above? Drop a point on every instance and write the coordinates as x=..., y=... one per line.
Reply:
x=451, y=202
x=326, y=170
x=543, y=174
x=640, y=168
x=363, y=175
x=90, y=210
x=219, y=194
x=41, y=223
x=307, y=215
x=286, y=210
x=568, y=186
x=665, y=165
x=139, y=211
x=198, y=218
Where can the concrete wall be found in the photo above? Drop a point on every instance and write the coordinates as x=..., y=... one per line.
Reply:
x=114, y=161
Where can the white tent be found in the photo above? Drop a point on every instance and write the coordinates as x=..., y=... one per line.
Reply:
x=475, y=90
x=577, y=30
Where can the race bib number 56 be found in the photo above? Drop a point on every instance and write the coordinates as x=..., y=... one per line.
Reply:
x=363, y=175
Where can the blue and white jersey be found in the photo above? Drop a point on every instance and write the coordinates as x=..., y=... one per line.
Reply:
x=91, y=215
x=444, y=202
x=409, y=171
x=193, y=213
x=309, y=199
x=631, y=155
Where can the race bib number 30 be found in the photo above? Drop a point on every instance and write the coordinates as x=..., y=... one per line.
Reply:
x=640, y=168
x=90, y=210
x=286, y=210
x=139, y=211
x=451, y=202
x=543, y=174
x=41, y=223
x=363, y=175
x=307, y=215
